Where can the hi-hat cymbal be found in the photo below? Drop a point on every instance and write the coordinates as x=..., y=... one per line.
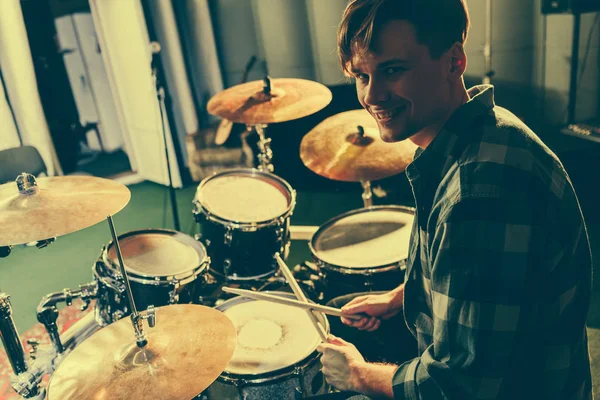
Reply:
x=187, y=350
x=338, y=150
x=62, y=205
x=289, y=99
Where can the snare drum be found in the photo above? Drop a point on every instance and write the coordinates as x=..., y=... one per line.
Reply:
x=363, y=250
x=275, y=356
x=163, y=266
x=244, y=217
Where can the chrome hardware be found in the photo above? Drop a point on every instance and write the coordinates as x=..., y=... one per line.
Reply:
x=40, y=244
x=10, y=336
x=68, y=297
x=280, y=234
x=299, y=390
x=47, y=313
x=27, y=184
x=150, y=316
x=228, y=235
x=34, y=343
x=118, y=314
x=264, y=145
x=173, y=297
x=367, y=194
x=226, y=266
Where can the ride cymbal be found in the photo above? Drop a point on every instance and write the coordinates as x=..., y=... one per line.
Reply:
x=347, y=147
x=187, y=350
x=288, y=99
x=62, y=205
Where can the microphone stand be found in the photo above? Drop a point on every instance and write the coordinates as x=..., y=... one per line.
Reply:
x=161, y=100
x=487, y=47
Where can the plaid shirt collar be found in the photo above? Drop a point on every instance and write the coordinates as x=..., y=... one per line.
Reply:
x=434, y=161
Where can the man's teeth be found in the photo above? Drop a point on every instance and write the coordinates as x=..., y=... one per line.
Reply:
x=387, y=114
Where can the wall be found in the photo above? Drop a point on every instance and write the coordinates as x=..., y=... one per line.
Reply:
x=301, y=42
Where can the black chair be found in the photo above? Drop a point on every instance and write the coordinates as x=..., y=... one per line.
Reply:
x=17, y=160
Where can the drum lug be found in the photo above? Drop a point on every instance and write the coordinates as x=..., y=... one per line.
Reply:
x=173, y=297
x=280, y=231
x=299, y=390
x=226, y=266
x=228, y=235
x=118, y=314
x=240, y=384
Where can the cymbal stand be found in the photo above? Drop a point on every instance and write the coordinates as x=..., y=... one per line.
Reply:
x=26, y=379
x=137, y=318
x=367, y=194
x=264, y=145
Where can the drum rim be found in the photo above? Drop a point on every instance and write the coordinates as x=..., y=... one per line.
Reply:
x=253, y=172
x=358, y=270
x=158, y=279
x=276, y=373
x=269, y=377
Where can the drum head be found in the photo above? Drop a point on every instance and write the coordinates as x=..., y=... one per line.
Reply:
x=158, y=253
x=270, y=336
x=366, y=238
x=245, y=196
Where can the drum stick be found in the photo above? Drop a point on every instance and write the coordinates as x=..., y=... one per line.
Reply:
x=291, y=280
x=289, y=302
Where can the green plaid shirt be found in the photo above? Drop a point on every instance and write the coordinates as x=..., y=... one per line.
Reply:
x=498, y=278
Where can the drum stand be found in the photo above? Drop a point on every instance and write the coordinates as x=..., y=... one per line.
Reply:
x=47, y=313
x=264, y=143
x=26, y=378
x=367, y=194
x=264, y=146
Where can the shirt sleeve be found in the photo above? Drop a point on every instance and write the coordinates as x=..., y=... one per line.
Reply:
x=481, y=258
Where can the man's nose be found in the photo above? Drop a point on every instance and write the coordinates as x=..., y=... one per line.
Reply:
x=375, y=92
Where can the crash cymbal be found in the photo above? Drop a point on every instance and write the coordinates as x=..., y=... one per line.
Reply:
x=62, y=205
x=289, y=99
x=338, y=150
x=187, y=350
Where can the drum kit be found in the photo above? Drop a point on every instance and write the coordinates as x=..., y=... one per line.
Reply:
x=180, y=341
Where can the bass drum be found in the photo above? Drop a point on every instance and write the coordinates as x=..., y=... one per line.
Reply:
x=163, y=266
x=363, y=250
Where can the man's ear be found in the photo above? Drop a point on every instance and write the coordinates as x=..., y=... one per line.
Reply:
x=458, y=60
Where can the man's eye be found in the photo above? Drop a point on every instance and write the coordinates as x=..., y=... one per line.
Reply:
x=393, y=70
x=362, y=77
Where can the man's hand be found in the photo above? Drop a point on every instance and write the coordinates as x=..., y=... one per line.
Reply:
x=346, y=369
x=377, y=306
x=341, y=364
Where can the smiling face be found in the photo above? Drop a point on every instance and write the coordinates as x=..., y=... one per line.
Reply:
x=409, y=93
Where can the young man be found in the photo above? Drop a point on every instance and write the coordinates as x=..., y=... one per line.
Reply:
x=498, y=278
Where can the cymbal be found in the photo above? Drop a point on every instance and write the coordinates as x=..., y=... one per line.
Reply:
x=337, y=150
x=223, y=131
x=289, y=99
x=187, y=350
x=62, y=205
